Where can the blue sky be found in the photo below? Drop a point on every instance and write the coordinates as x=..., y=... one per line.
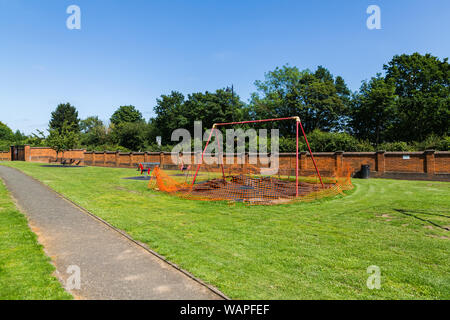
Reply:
x=131, y=52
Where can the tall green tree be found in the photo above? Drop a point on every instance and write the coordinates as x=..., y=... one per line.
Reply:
x=37, y=139
x=6, y=137
x=223, y=105
x=374, y=113
x=6, y=134
x=64, y=138
x=171, y=114
x=65, y=115
x=126, y=114
x=90, y=123
x=318, y=98
x=422, y=83
x=174, y=111
x=93, y=132
x=131, y=135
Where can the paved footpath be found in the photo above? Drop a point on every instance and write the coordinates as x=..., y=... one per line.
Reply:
x=111, y=265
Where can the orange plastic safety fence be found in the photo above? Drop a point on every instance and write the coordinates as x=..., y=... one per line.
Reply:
x=244, y=185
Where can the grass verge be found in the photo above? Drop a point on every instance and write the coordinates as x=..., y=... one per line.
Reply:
x=25, y=270
x=315, y=250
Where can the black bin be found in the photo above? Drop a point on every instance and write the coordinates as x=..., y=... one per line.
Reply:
x=365, y=171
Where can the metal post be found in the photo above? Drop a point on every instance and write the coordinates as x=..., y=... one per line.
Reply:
x=221, y=162
x=310, y=152
x=296, y=161
x=203, y=153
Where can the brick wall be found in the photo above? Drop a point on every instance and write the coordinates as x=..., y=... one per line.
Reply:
x=45, y=154
x=5, y=155
x=428, y=165
x=122, y=159
x=442, y=162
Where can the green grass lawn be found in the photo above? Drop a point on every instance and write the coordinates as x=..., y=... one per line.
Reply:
x=25, y=271
x=316, y=250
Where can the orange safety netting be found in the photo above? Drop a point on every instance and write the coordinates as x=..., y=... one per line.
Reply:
x=246, y=185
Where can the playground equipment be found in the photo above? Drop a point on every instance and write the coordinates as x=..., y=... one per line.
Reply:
x=255, y=182
x=146, y=167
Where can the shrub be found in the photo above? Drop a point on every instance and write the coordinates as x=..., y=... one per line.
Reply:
x=396, y=146
x=107, y=147
x=4, y=145
x=326, y=142
x=157, y=148
x=443, y=144
x=334, y=141
x=433, y=142
x=288, y=144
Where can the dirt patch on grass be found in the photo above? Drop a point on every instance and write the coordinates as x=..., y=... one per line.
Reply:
x=127, y=190
x=385, y=216
x=119, y=188
x=439, y=237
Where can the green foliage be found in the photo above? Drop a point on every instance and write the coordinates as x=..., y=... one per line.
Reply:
x=422, y=83
x=174, y=112
x=433, y=142
x=170, y=115
x=321, y=141
x=336, y=141
x=64, y=138
x=5, y=132
x=289, y=145
x=396, y=146
x=128, y=129
x=9, y=138
x=154, y=147
x=131, y=135
x=373, y=112
x=320, y=100
x=210, y=108
x=107, y=147
x=90, y=123
x=19, y=137
x=93, y=132
x=6, y=136
x=126, y=114
x=66, y=116
x=36, y=139
x=443, y=144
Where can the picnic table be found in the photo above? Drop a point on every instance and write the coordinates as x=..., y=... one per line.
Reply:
x=147, y=167
x=65, y=162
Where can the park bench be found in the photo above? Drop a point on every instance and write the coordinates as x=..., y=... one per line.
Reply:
x=66, y=162
x=69, y=162
x=147, y=167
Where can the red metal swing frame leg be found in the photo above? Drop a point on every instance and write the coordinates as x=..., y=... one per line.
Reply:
x=220, y=154
x=203, y=153
x=296, y=160
x=310, y=152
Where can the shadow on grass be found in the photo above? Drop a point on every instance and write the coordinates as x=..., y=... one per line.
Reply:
x=411, y=213
x=60, y=166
